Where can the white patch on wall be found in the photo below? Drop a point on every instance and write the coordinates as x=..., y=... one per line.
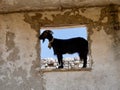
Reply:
x=19, y=80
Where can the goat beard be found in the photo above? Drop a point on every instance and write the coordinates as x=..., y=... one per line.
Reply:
x=43, y=40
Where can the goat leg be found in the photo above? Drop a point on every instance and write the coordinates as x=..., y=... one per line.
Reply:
x=60, y=61
x=84, y=62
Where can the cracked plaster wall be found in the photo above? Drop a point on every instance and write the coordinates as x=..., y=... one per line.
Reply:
x=19, y=50
x=19, y=57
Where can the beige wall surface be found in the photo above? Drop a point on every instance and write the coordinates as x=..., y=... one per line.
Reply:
x=19, y=50
x=34, y=5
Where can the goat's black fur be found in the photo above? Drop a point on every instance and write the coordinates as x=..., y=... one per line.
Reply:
x=74, y=45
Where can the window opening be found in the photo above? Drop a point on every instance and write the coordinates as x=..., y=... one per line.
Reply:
x=71, y=61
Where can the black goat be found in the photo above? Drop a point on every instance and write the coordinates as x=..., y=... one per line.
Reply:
x=69, y=46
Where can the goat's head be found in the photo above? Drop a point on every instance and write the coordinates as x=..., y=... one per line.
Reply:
x=47, y=34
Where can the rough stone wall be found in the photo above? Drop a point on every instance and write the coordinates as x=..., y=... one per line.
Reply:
x=19, y=57
x=19, y=50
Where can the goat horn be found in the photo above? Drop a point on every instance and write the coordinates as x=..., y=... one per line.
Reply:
x=49, y=31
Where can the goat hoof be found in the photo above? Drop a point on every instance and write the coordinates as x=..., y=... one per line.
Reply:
x=60, y=67
x=84, y=67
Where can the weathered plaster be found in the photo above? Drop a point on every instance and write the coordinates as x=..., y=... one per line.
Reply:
x=10, y=45
x=10, y=40
x=17, y=54
x=19, y=50
x=8, y=6
x=57, y=19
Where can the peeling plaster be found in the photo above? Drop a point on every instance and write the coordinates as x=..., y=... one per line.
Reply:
x=111, y=12
x=37, y=21
x=10, y=40
x=19, y=55
x=76, y=16
x=72, y=17
x=14, y=55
